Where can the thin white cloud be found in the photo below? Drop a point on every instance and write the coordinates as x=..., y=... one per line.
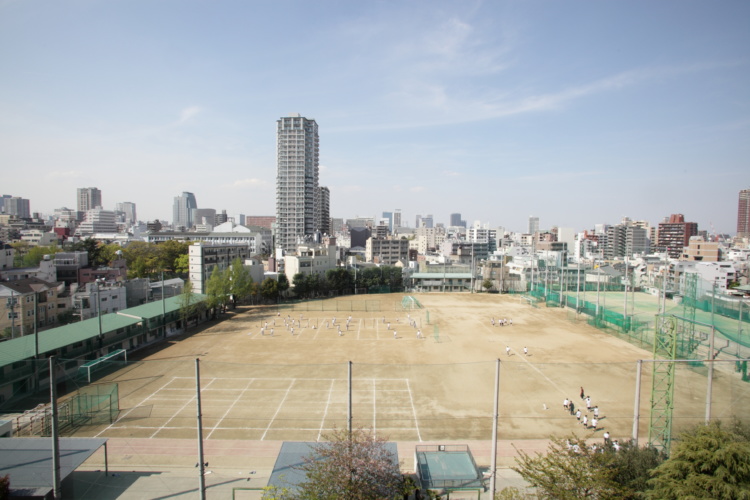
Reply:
x=449, y=173
x=187, y=114
x=417, y=189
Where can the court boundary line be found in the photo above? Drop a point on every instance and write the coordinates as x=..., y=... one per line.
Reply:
x=242, y=393
x=174, y=415
x=133, y=408
x=278, y=409
x=325, y=412
x=414, y=410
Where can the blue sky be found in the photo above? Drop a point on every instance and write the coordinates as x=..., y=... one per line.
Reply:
x=576, y=112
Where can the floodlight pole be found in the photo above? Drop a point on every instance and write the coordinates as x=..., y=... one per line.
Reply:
x=637, y=404
x=349, y=406
x=201, y=465
x=578, y=287
x=163, y=308
x=493, y=466
x=56, y=481
x=711, y=358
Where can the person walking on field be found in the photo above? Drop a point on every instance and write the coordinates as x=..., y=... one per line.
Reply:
x=525, y=351
x=566, y=404
x=507, y=350
x=588, y=403
x=596, y=411
x=583, y=394
x=585, y=421
x=578, y=415
x=594, y=421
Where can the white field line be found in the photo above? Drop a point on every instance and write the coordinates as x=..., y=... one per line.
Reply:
x=120, y=417
x=325, y=412
x=181, y=408
x=278, y=409
x=230, y=408
x=414, y=411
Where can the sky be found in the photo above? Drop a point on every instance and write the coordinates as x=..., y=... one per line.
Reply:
x=577, y=112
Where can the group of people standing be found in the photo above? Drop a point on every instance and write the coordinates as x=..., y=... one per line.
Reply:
x=591, y=422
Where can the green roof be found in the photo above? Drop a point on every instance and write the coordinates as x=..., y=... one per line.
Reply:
x=22, y=348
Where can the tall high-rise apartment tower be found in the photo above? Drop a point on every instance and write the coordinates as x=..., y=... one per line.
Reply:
x=88, y=198
x=297, y=193
x=743, y=214
x=182, y=210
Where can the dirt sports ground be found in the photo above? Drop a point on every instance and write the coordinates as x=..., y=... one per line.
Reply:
x=264, y=388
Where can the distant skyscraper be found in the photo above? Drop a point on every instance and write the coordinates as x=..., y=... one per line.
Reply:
x=297, y=177
x=182, y=210
x=127, y=210
x=427, y=221
x=418, y=221
x=743, y=214
x=533, y=224
x=89, y=198
x=389, y=217
x=455, y=220
x=20, y=207
x=397, y=218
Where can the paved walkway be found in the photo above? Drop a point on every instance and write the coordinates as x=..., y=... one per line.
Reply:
x=166, y=468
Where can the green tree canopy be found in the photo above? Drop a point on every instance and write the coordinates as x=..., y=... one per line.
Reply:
x=269, y=289
x=706, y=462
x=283, y=283
x=300, y=285
x=571, y=470
x=217, y=289
x=242, y=285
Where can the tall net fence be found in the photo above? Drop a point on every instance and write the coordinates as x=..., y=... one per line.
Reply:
x=400, y=402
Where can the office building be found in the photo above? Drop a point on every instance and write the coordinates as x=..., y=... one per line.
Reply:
x=88, y=198
x=533, y=224
x=20, y=207
x=182, y=210
x=743, y=214
x=397, y=218
x=297, y=177
x=126, y=212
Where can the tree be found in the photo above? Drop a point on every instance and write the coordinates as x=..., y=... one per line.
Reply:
x=217, y=290
x=283, y=284
x=359, y=468
x=300, y=285
x=241, y=282
x=339, y=279
x=142, y=259
x=571, y=470
x=706, y=462
x=269, y=289
x=4, y=487
x=28, y=256
x=182, y=265
x=487, y=284
x=169, y=251
x=187, y=303
x=566, y=472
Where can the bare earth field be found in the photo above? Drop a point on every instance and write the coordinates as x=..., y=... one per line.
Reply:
x=269, y=388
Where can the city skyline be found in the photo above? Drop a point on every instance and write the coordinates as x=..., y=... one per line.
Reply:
x=580, y=114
